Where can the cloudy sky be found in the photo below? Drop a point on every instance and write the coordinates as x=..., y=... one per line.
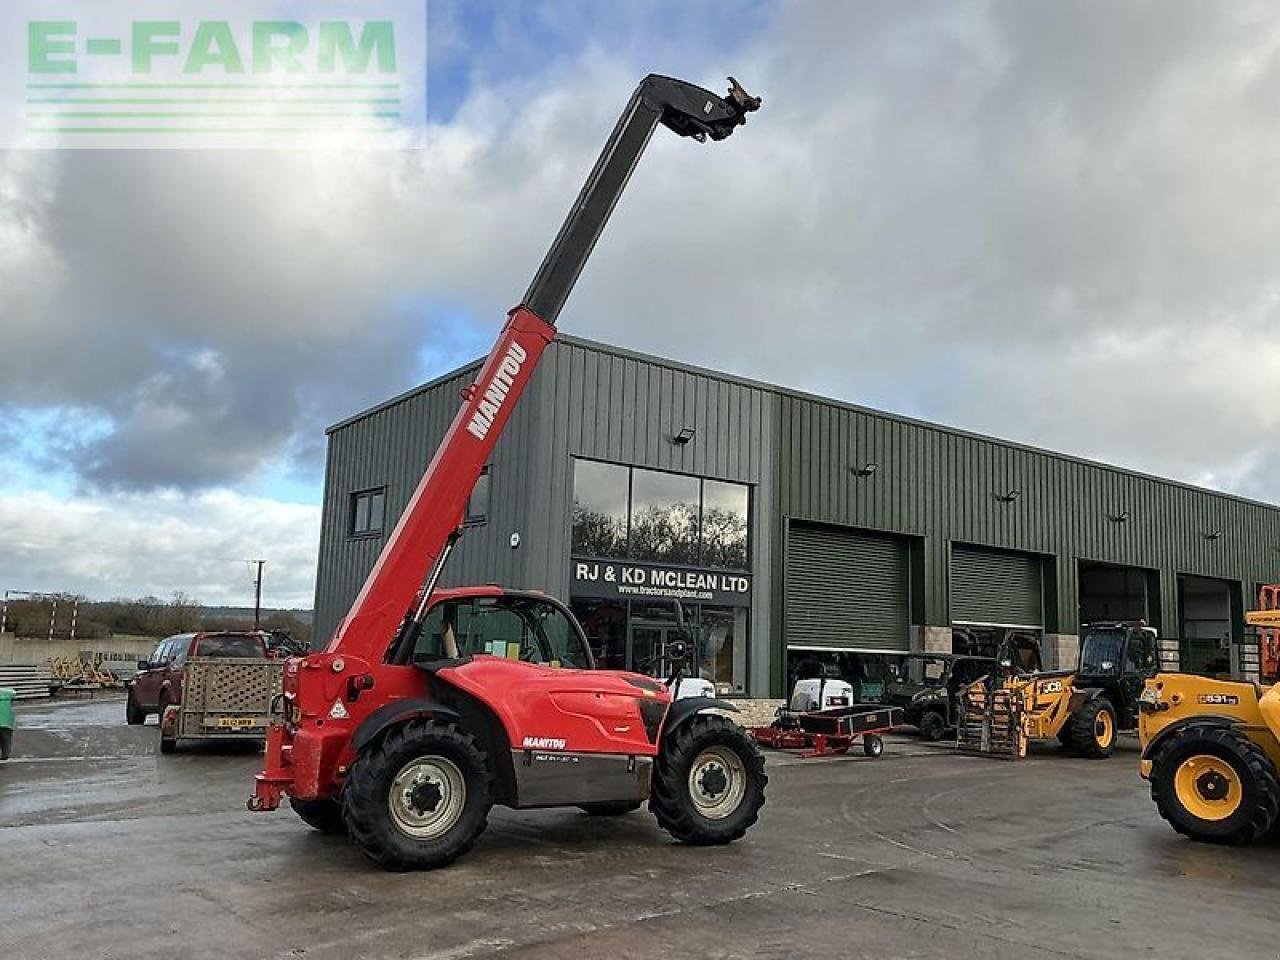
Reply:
x=1054, y=223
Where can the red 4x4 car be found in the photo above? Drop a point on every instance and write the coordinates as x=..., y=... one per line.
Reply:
x=158, y=681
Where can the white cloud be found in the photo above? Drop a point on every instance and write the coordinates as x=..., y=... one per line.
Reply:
x=138, y=544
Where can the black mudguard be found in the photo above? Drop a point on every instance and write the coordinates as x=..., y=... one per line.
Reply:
x=385, y=717
x=1206, y=721
x=682, y=711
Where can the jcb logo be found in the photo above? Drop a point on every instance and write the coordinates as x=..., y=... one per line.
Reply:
x=1052, y=686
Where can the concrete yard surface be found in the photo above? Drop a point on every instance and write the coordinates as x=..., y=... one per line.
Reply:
x=110, y=850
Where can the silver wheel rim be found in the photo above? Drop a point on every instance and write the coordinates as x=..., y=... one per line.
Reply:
x=427, y=797
x=717, y=782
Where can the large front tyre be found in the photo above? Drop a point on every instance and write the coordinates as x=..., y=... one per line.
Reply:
x=419, y=797
x=708, y=782
x=1093, y=729
x=1215, y=785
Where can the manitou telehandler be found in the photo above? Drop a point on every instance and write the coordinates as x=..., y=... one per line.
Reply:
x=430, y=705
x=1083, y=709
x=1211, y=749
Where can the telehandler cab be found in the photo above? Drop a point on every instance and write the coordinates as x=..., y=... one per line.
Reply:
x=1083, y=708
x=430, y=705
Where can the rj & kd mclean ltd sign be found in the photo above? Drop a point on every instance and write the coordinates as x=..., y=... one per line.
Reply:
x=626, y=580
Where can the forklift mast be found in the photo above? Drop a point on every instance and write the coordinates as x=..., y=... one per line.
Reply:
x=396, y=595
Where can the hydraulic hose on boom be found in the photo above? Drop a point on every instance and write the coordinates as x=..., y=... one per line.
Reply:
x=396, y=595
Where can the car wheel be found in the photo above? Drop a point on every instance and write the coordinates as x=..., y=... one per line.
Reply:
x=419, y=797
x=873, y=745
x=708, y=782
x=134, y=715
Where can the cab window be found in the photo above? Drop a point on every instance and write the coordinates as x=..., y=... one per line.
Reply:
x=161, y=654
x=178, y=650
x=561, y=639
x=518, y=628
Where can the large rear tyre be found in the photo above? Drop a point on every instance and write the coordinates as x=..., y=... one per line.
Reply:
x=419, y=797
x=708, y=782
x=323, y=815
x=1215, y=785
x=1093, y=729
x=618, y=809
x=933, y=726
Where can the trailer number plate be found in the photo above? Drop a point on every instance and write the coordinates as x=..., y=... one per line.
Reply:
x=237, y=723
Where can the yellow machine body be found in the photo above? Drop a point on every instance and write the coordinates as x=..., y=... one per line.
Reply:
x=1173, y=699
x=1211, y=752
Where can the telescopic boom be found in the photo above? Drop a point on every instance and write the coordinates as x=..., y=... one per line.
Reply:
x=397, y=592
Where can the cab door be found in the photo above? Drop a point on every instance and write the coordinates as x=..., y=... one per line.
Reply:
x=1141, y=661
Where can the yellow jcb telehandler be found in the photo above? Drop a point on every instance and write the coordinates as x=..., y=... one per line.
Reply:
x=1210, y=750
x=1083, y=709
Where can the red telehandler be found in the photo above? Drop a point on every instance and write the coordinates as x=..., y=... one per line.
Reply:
x=430, y=705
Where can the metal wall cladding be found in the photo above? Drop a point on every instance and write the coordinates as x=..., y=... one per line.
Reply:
x=995, y=586
x=799, y=454
x=391, y=446
x=946, y=486
x=846, y=590
x=584, y=400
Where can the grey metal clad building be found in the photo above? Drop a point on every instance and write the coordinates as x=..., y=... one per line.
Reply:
x=793, y=527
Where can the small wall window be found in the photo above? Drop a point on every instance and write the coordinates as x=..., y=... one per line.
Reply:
x=368, y=508
x=478, y=502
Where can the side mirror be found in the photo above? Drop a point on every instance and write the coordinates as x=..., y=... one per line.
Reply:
x=144, y=665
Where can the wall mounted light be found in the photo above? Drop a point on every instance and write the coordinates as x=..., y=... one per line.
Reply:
x=866, y=470
x=1008, y=497
x=1121, y=517
x=1212, y=535
x=683, y=437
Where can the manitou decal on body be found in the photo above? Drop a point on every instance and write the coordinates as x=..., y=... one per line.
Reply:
x=495, y=394
x=543, y=743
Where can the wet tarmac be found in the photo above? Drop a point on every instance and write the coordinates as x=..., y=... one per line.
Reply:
x=108, y=850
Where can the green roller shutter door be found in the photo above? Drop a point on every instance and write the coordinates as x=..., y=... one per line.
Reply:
x=994, y=586
x=846, y=589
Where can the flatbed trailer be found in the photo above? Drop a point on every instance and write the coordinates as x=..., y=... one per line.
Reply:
x=831, y=732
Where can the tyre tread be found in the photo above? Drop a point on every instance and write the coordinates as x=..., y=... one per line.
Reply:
x=364, y=805
x=1266, y=813
x=1081, y=726
x=667, y=800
